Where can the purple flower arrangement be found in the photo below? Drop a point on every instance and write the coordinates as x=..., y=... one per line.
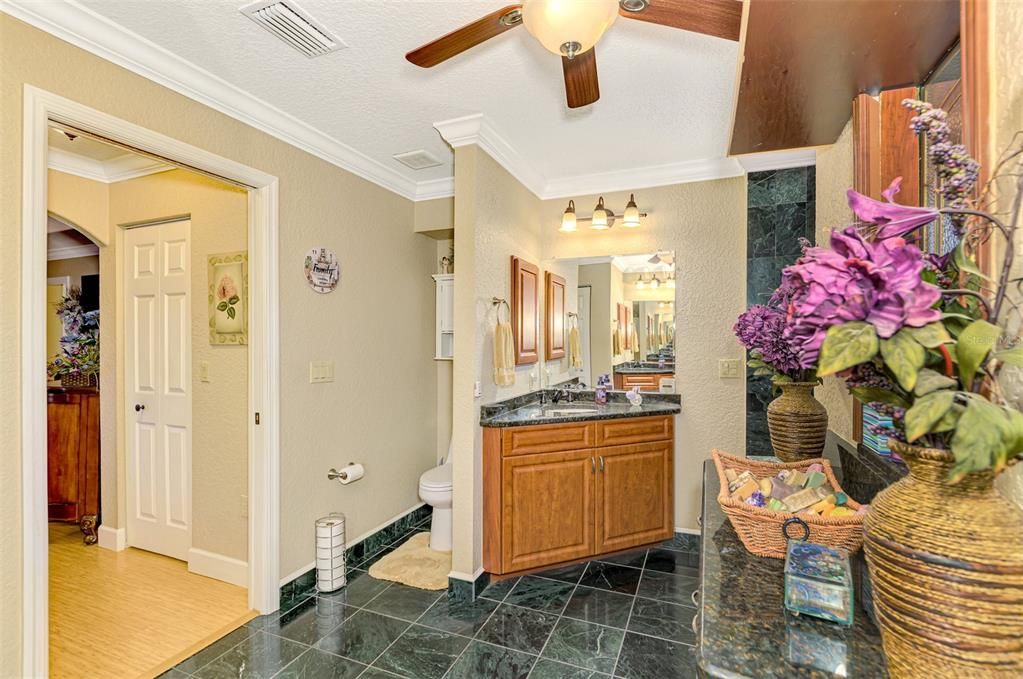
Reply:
x=879, y=313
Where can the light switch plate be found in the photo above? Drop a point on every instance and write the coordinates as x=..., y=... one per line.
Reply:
x=728, y=368
x=204, y=371
x=321, y=371
x=477, y=389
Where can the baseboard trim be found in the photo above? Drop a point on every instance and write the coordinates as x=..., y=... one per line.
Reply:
x=688, y=531
x=218, y=567
x=111, y=538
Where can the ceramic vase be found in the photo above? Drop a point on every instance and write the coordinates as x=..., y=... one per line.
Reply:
x=946, y=566
x=798, y=422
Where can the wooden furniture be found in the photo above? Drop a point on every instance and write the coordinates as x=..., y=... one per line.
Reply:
x=803, y=61
x=73, y=457
x=559, y=492
x=554, y=317
x=525, y=310
x=445, y=327
x=645, y=381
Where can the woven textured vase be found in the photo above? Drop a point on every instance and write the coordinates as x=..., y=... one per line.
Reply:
x=798, y=422
x=946, y=565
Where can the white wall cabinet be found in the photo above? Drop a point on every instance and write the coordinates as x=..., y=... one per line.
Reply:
x=445, y=283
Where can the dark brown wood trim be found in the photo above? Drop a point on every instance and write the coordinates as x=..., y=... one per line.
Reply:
x=525, y=310
x=554, y=321
x=975, y=47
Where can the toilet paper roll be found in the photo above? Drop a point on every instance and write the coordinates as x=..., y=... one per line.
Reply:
x=351, y=473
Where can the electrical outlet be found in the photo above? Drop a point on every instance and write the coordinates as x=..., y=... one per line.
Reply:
x=321, y=371
x=204, y=371
x=728, y=368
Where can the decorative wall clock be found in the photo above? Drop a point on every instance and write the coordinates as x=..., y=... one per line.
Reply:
x=322, y=270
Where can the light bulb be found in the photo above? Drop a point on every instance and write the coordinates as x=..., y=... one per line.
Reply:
x=568, y=27
x=631, y=217
x=599, y=220
x=655, y=283
x=640, y=284
x=568, y=224
x=671, y=283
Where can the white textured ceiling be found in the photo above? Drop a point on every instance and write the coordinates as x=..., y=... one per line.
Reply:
x=666, y=95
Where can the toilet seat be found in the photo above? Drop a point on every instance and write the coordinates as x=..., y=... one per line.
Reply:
x=437, y=479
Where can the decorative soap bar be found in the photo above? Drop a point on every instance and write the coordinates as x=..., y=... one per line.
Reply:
x=818, y=582
x=792, y=477
x=841, y=499
x=765, y=487
x=842, y=511
x=731, y=475
x=780, y=490
x=815, y=480
x=805, y=498
x=776, y=505
x=815, y=467
x=746, y=490
x=756, y=499
x=740, y=481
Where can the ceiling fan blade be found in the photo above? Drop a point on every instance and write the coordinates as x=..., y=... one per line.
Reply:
x=470, y=35
x=720, y=18
x=581, y=85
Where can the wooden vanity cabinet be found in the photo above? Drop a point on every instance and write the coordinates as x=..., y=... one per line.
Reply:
x=561, y=492
x=645, y=381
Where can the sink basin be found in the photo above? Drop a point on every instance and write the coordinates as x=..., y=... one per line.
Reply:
x=571, y=411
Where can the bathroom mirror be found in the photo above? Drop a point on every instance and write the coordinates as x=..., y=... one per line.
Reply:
x=617, y=318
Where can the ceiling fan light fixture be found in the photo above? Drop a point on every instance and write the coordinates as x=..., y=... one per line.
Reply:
x=568, y=221
x=600, y=220
x=631, y=217
x=512, y=18
x=560, y=25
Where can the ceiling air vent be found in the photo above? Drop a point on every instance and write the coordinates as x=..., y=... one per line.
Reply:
x=417, y=160
x=293, y=25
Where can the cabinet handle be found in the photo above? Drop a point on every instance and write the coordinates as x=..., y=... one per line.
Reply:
x=593, y=465
x=602, y=464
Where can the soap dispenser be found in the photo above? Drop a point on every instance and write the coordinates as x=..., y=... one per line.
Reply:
x=600, y=394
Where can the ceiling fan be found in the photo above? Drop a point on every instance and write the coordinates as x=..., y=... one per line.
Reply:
x=571, y=28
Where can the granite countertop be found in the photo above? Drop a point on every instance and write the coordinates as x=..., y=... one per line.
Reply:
x=744, y=630
x=536, y=408
x=643, y=369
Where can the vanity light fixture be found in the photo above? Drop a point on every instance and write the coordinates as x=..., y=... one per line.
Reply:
x=601, y=219
x=655, y=283
x=640, y=283
x=630, y=219
x=568, y=222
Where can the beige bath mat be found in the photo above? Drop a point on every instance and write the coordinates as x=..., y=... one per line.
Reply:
x=415, y=564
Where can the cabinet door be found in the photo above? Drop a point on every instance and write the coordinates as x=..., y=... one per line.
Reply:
x=525, y=310
x=554, y=315
x=63, y=421
x=548, y=508
x=634, y=495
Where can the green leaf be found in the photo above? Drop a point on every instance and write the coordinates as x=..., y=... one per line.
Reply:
x=948, y=421
x=926, y=412
x=931, y=335
x=847, y=345
x=975, y=342
x=873, y=394
x=904, y=357
x=233, y=299
x=231, y=313
x=756, y=363
x=222, y=306
x=760, y=372
x=1012, y=356
x=1015, y=425
x=930, y=380
x=982, y=437
x=964, y=263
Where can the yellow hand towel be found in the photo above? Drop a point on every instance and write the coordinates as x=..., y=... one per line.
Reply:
x=504, y=355
x=634, y=344
x=616, y=342
x=575, y=348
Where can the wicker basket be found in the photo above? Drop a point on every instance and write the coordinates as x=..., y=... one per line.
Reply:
x=760, y=529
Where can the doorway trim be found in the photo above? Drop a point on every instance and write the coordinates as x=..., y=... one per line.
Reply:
x=39, y=109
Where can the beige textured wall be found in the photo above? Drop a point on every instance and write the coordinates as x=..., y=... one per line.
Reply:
x=444, y=368
x=834, y=176
x=1006, y=111
x=598, y=277
x=219, y=223
x=320, y=205
x=434, y=215
x=74, y=268
x=81, y=202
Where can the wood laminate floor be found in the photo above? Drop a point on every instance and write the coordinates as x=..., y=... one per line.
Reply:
x=131, y=613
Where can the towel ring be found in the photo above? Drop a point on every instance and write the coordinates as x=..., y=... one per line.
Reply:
x=497, y=301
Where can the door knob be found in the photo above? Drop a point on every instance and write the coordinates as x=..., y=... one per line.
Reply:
x=139, y=407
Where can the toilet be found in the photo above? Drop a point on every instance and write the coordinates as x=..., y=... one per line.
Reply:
x=435, y=490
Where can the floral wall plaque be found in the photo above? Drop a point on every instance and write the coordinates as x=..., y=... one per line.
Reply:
x=228, y=297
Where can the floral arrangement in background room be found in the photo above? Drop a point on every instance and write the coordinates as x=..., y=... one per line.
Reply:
x=79, y=346
x=920, y=337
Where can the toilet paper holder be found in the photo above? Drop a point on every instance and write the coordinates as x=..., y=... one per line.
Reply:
x=334, y=475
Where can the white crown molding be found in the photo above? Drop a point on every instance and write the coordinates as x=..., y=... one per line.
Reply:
x=83, y=28
x=435, y=188
x=72, y=252
x=475, y=129
x=643, y=177
x=119, y=169
x=778, y=160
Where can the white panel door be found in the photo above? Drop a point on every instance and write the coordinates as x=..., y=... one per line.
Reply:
x=158, y=387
